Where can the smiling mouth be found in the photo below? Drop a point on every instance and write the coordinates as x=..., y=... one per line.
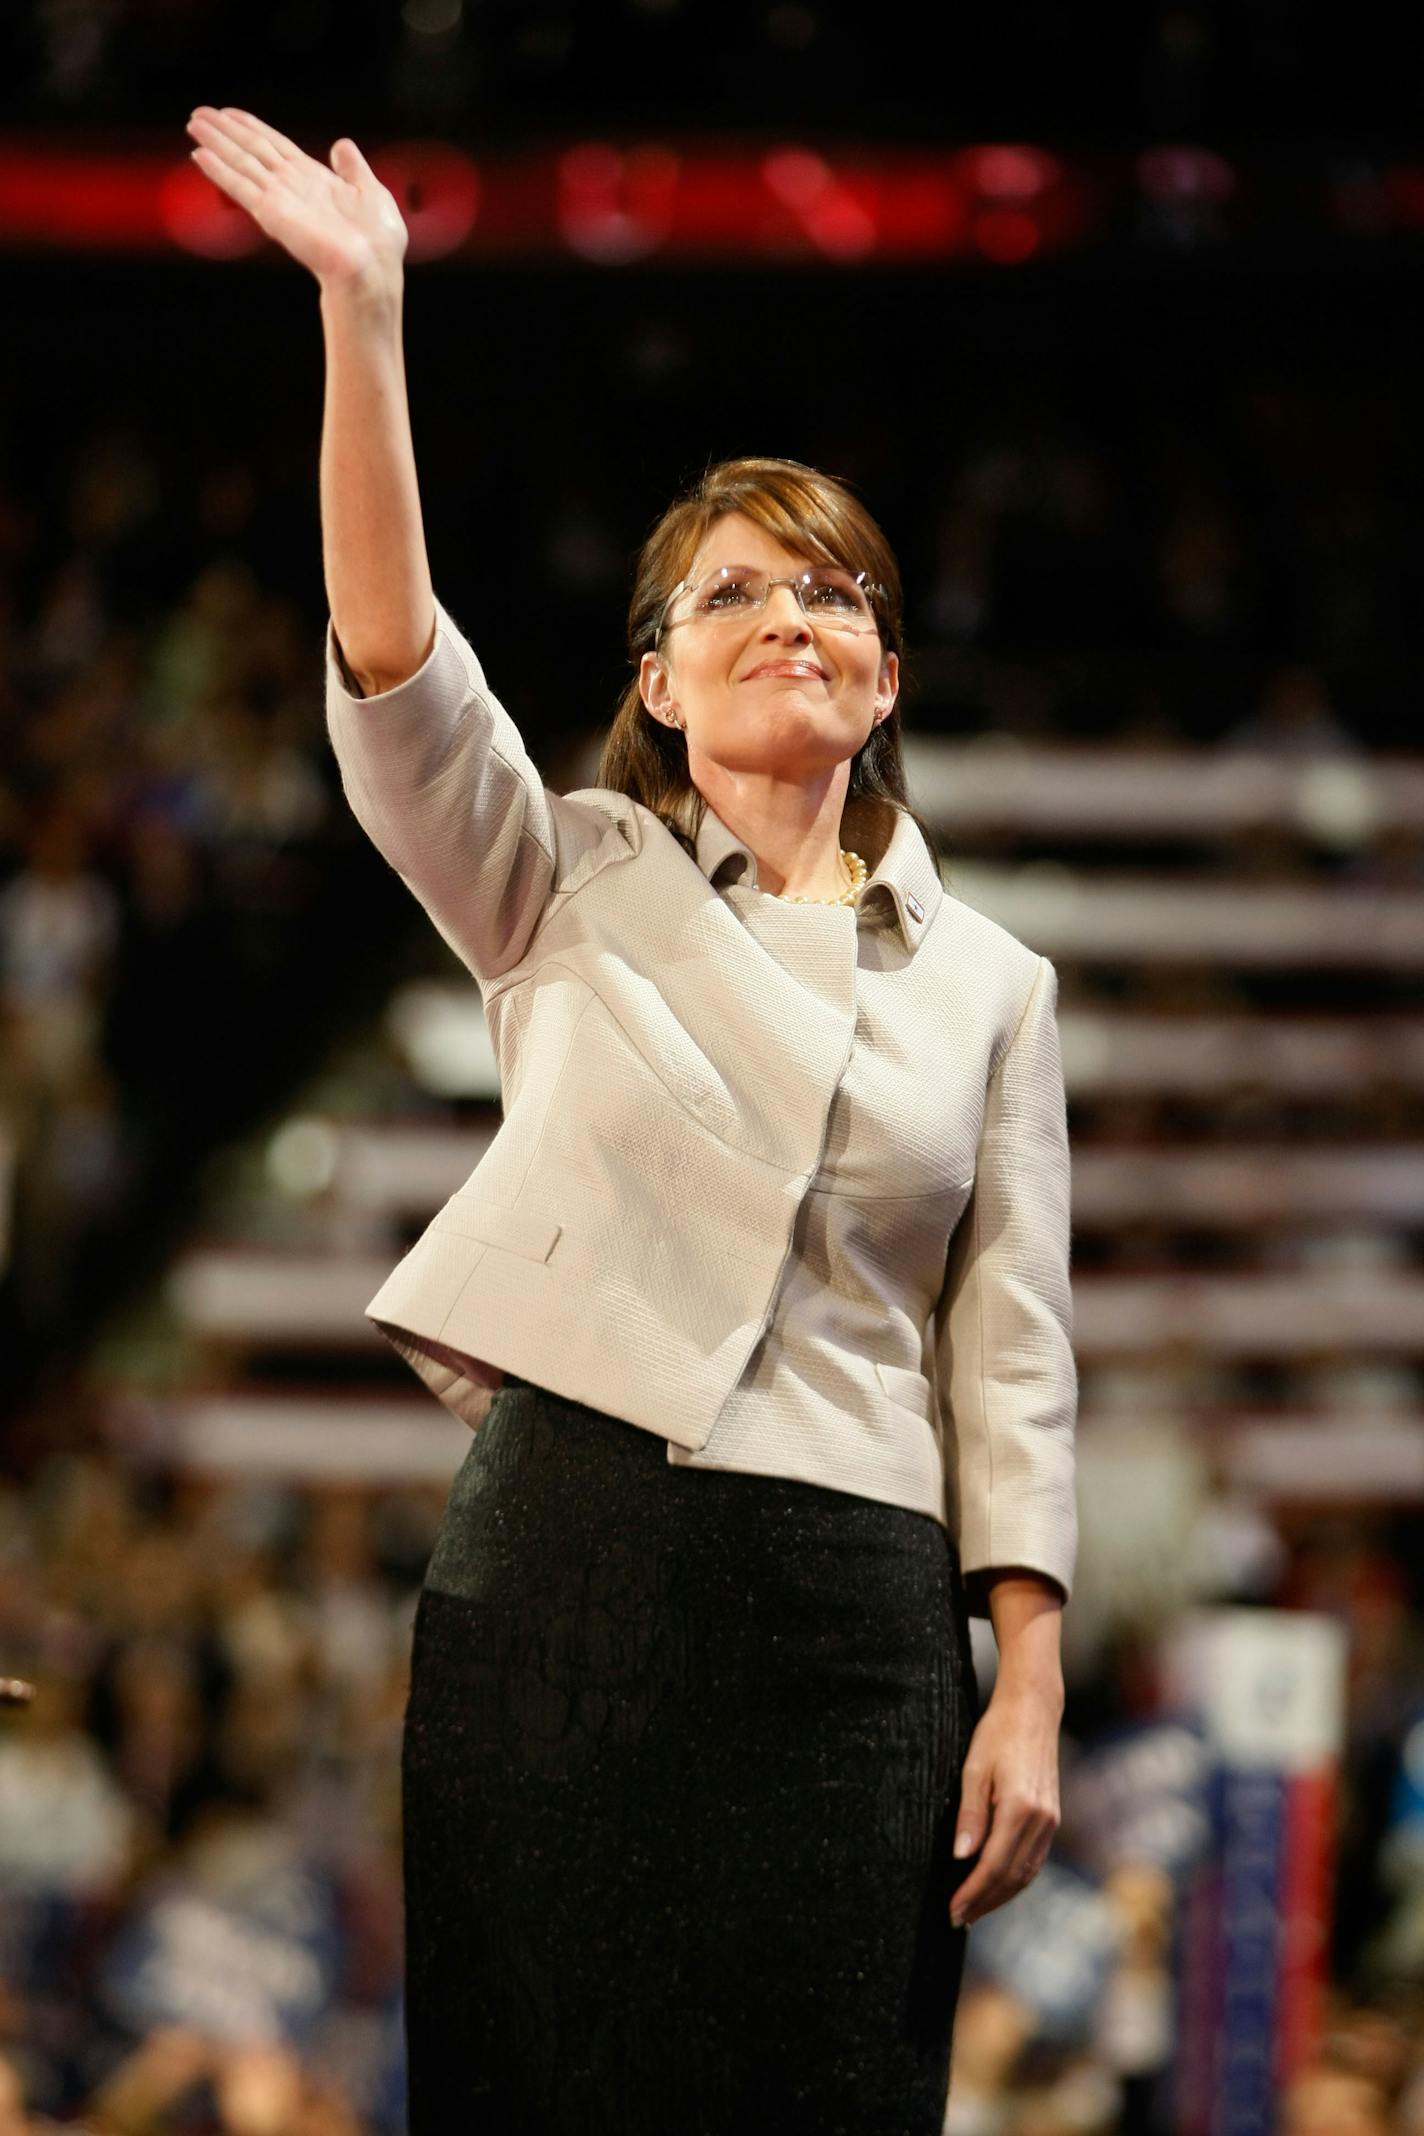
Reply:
x=790, y=671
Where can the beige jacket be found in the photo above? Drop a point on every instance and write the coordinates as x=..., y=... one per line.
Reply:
x=665, y=1109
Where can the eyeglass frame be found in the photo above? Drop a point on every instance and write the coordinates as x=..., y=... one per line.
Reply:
x=867, y=586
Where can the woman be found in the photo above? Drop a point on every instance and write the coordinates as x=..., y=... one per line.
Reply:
x=758, y=1302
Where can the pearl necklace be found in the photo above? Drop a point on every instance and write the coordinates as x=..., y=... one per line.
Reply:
x=858, y=873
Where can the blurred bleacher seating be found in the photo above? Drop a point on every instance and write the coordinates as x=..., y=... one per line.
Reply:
x=224, y=1111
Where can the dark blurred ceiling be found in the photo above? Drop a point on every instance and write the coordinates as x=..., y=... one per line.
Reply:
x=1239, y=74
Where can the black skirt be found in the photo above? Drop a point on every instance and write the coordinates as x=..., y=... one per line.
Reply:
x=681, y=1766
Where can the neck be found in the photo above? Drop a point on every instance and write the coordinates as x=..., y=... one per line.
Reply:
x=793, y=829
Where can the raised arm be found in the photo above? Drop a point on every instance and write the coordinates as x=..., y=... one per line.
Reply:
x=434, y=768
x=345, y=227
x=373, y=541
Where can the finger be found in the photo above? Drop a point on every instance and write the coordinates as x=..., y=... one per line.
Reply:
x=966, y=1906
x=245, y=191
x=254, y=131
x=1001, y=1876
x=1035, y=1846
x=231, y=154
x=348, y=161
x=973, y=1820
x=219, y=132
x=989, y=1885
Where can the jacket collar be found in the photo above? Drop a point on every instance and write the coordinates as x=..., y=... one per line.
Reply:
x=903, y=887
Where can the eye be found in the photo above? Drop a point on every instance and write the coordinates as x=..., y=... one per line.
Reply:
x=839, y=594
x=726, y=589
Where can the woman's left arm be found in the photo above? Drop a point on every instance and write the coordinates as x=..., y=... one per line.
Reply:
x=1008, y=1808
x=1007, y=1374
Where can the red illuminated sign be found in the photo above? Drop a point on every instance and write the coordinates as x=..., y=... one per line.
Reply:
x=611, y=204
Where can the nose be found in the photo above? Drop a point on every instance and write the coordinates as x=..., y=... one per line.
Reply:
x=784, y=616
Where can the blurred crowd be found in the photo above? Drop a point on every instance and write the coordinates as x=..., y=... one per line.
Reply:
x=199, y=1814
x=180, y=877
x=199, y=1817
x=167, y=838
x=200, y=1831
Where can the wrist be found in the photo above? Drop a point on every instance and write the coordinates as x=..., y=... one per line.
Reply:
x=1027, y=1675
x=373, y=292
x=1027, y=1612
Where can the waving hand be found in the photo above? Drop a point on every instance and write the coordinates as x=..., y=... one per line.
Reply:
x=342, y=223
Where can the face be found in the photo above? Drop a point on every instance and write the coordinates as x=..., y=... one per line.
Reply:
x=770, y=691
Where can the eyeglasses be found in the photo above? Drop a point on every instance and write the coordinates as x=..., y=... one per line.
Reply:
x=837, y=598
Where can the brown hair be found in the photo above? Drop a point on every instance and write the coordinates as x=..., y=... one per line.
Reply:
x=819, y=517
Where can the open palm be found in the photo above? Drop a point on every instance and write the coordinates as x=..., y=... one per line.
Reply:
x=342, y=223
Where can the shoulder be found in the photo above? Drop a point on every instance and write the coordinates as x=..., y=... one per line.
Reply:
x=989, y=942
x=620, y=809
x=643, y=829
x=997, y=976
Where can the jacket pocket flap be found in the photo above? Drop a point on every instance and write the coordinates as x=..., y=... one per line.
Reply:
x=906, y=1389
x=532, y=1236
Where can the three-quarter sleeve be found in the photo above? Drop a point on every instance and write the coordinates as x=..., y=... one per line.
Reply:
x=437, y=775
x=1004, y=1360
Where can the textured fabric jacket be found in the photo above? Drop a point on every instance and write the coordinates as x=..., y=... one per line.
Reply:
x=622, y=1239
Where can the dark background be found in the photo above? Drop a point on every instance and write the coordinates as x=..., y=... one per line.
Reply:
x=1275, y=76
x=1160, y=491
